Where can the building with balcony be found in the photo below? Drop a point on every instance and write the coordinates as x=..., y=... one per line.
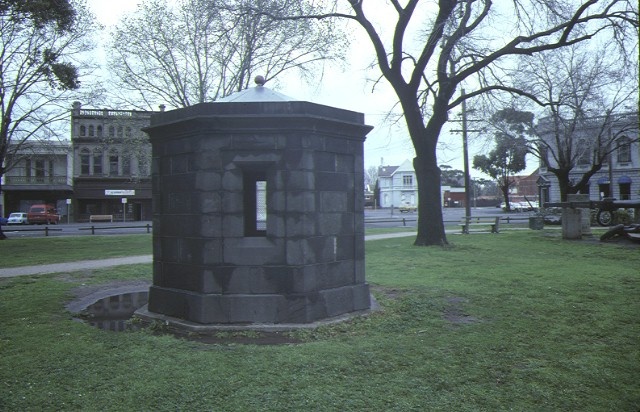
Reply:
x=39, y=172
x=111, y=163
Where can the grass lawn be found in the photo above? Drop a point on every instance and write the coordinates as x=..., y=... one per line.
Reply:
x=519, y=321
x=44, y=250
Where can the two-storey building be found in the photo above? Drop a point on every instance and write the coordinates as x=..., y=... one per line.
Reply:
x=398, y=185
x=111, y=163
x=619, y=176
x=38, y=172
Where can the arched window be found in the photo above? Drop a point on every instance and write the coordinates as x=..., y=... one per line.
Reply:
x=114, y=161
x=624, y=150
x=97, y=162
x=99, y=131
x=112, y=131
x=85, y=162
x=83, y=130
x=126, y=165
x=128, y=131
x=91, y=132
x=119, y=131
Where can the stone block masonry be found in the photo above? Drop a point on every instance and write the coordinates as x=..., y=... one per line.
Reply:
x=258, y=213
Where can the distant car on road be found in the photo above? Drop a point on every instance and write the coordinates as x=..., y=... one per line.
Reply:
x=18, y=218
x=406, y=208
x=44, y=213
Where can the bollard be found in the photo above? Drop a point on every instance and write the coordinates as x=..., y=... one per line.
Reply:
x=585, y=222
x=46, y=231
x=571, y=223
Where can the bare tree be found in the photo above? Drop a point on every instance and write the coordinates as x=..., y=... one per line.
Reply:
x=588, y=98
x=427, y=50
x=194, y=51
x=42, y=46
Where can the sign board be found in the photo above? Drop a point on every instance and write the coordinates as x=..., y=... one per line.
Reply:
x=124, y=200
x=68, y=201
x=120, y=193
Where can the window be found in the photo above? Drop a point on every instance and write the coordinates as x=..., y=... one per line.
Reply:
x=27, y=168
x=114, y=161
x=39, y=170
x=407, y=180
x=624, y=150
x=625, y=191
x=120, y=131
x=584, y=157
x=85, y=162
x=112, y=131
x=83, y=130
x=603, y=188
x=50, y=171
x=126, y=165
x=128, y=131
x=91, y=132
x=97, y=162
x=255, y=203
x=99, y=131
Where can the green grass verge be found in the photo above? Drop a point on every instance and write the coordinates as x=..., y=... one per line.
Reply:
x=518, y=321
x=46, y=250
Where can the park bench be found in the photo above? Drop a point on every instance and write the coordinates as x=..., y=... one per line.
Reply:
x=101, y=218
x=494, y=222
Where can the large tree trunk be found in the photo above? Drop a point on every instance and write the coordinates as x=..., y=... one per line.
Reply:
x=430, y=225
x=425, y=164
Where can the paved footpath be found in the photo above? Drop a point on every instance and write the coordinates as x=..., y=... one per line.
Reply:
x=131, y=260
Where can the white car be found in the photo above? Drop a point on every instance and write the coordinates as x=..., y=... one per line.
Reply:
x=18, y=218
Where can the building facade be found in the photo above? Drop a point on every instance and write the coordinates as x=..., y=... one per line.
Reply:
x=111, y=163
x=40, y=172
x=619, y=176
x=105, y=169
x=398, y=185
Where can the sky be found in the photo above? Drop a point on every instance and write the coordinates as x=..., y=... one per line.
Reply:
x=349, y=88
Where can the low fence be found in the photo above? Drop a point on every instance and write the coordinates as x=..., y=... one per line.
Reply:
x=47, y=230
x=94, y=228
x=503, y=220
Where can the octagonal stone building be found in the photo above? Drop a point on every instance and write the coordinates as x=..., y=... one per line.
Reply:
x=258, y=211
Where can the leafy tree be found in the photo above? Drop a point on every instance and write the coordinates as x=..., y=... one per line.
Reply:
x=42, y=43
x=193, y=51
x=505, y=160
x=433, y=49
x=451, y=176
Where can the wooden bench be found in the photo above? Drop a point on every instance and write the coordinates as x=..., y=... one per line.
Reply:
x=101, y=218
x=494, y=222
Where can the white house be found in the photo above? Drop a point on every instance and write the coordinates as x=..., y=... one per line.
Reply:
x=398, y=185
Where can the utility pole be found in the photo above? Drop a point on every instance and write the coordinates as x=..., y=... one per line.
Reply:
x=465, y=153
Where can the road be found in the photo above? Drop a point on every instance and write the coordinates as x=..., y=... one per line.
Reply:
x=395, y=219
x=379, y=218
